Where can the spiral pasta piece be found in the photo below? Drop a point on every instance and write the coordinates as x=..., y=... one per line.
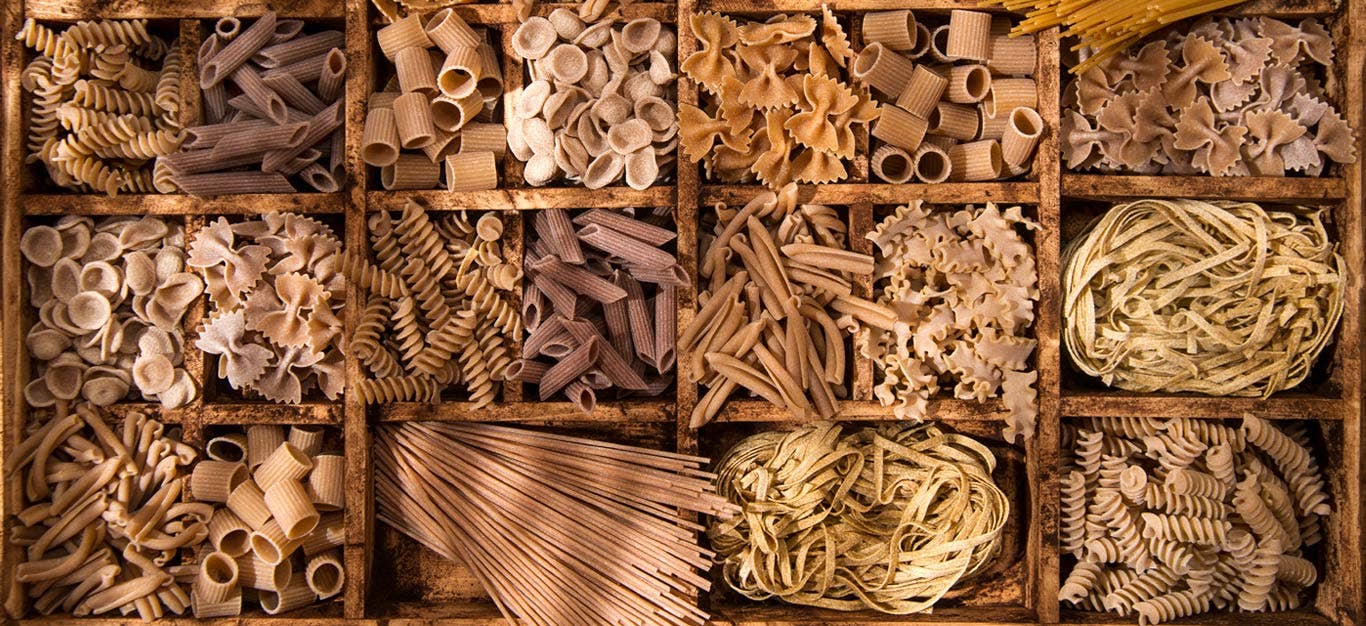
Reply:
x=388, y=253
x=148, y=145
x=374, y=320
x=398, y=389
x=421, y=241
x=105, y=98
x=407, y=329
x=41, y=39
x=1171, y=606
x=167, y=90
x=106, y=33
x=372, y=278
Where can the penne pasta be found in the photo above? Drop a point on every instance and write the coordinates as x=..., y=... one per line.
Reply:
x=333, y=76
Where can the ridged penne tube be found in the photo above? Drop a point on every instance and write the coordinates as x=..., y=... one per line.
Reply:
x=248, y=502
x=253, y=573
x=892, y=164
x=263, y=96
x=448, y=31
x=226, y=61
x=224, y=183
x=1021, y=136
x=460, y=72
x=899, y=128
x=295, y=93
x=326, y=574
x=262, y=441
x=924, y=90
x=257, y=141
x=482, y=137
x=1013, y=56
x=968, y=84
x=415, y=72
x=894, y=29
x=269, y=543
x=296, y=594
x=228, y=533
x=330, y=533
x=452, y=114
x=932, y=163
x=954, y=120
x=407, y=32
x=231, y=447
x=413, y=116
x=285, y=463
x=308, y=439
x=291, y=508
x=410, y=171
x=300, y=48
x=212, y=481
x=969, y=35
x=1007, y=94
x=327, y=482
x=471, y=171
x=228, y=607
x=217, y=578
x=883, y=69
x=993, y=126
x=379, y=140
x=976, y=161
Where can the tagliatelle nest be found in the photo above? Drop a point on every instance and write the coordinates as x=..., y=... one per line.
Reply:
x=1222, y=298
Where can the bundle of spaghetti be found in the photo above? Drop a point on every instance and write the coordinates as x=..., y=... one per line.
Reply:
x=107, y=76
x=777, y=302
x=439, y=310
x=277, y=530
x=1217, y=298
x=1107, y=26
x=561, y=531
x=102, y=523
x=819, y=501
x=1173, y=518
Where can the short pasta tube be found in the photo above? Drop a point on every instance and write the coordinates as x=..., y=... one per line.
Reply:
x=471, y=171
x=899, y=128
x=1021, y=136
x=969, y=35
x=410, y=171
x=460, y=72
x=248, y=502
x=325, y=574
x=217, y=579
x=213, y=481
x=413, y=116
x=976, y=161
x=327, y=482
x=286, y=463
x=291, y=508
x=968, y=84
x=262, y=440
x=296, y=594
x=894, y=29
x=954, y=120
x=228, y=533
x=883, y=70
x=270, y=544
x=407, y=32
x=1008, y=94
x=415, y=72
x=924, y=90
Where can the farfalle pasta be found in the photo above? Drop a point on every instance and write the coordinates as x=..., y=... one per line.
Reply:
x=1225, y=97
x=962, y=285
x=275, y=287
x=110, y=297
x=777, y=105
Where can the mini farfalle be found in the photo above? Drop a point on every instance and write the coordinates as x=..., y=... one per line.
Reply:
x=1202, y=62
x=1280, y=83
x=768, y=89
x=779, y=30
x=1084, y=142
x=1288, y=42
x=833, y=37
x=1216, y=150
x=281, y=382
x=1268, y=131
x=818, y=167
x=1093, y=90
x=813, y=127
x=710, y=64
x=1334, y=138
x=1137, y=141
x=298, y=294
x=1247, y=58
x=242, y=267
x=1148, y=68
x=240, y=361
x=774, y=166
x=698, y=132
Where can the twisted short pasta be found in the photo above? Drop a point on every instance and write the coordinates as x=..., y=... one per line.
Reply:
x=420, y=240
x=1184, y=528
x=167, y=90
x=1287, y=454
x=106, y=33
x=388, y=254
x=1171, y=606
x=372, y=278
x=407, y=329
x=1261, y=576
x=1148, y=585
x=105, y=98
x=146, y=145
x=398, y=389
x=1073, y=533
x=374, y=320
x=41, y=39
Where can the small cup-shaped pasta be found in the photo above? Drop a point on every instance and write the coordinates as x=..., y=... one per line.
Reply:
x=262, y=440
x=449, y=31
x=270, y=543
x=460, y=72
x=451, y=114
x=899, y=128
x=379, y=141
x=217, y=578
x=923, y=92
x=308, y=439
x=955, y=120
x=883, y=70
x=534, y=38
x=327, y=482
x=411, y=171
x=1008, y=94
x=231, y=447
x=1021, y=136
x=254, y=573
x=482, y=137
x=213, y=481
x=415, y=73
x=330, y=533
x=405, y=33
x=566, y=63
x=41, y=245
x=296, y=594
x=490, y=84
x=932, y=163
x=471, y=171
x=228, y=533
x=894, y=29
x=976, y=161
x=892, y=164
x=969, y=35
x=248, y=502
x=968, y=84
x=1013, y=56
x=291, y=507
x=286, y=463
x=326, y=574
x=606, y=169
x=993, y=126
x=413, y=115
x=228, y=607
x=639, y=35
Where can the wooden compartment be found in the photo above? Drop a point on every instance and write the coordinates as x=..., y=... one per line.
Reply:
x=391, y=580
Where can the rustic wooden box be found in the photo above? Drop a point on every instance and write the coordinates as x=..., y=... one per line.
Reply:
x=391, y=579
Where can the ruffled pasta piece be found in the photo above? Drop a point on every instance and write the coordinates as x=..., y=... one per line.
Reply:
x=709, y=65
x=778, y=31
x=1217, y=149
x=813, y=127
x=1335, y=138
x=817, y=167
x=1147, y=69
x=768, y=90
x=833, y=37
x=1120, y=116
x=698, y=133
x=241, y=361
x=1269, y=130
x=1203, y=62
x=1289, y=42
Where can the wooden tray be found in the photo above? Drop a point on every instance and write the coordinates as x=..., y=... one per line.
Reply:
x=391, y=579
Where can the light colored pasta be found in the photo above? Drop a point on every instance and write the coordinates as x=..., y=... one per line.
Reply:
x=471, y=171
x=327, y=482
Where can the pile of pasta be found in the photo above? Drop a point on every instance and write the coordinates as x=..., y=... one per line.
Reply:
x=1224, y=97
x=963, y=286
x=438, y=310
x=103, y=525
x=600, y=104
x=776, y=306
x=276, y=287
x=1221, y=298
x=600, y=304
x=777, y=106
x=272, y=105
x=1173, y=518
x=105, y=103
x=110, y=297
x=966, y=112
x=887, y=518
x=277, y=527
x=442, y=102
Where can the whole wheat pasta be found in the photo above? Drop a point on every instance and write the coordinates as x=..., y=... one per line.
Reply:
x=222, y=183
x=270, y=543
x=404, y=33
x=899, y=128
x=1013, y=56
x=893, y=164
x=413, y=117
x=1021, y=136
x=229, y=607
x=330, y=533
x=460, y=72
x=254, y=573
x=231, y=447
x=217, y=578
x=471, y=171
x=969, y=35
x=954, y=120
x=481, y=137
x=308, y=439
x=294, y=595
x=226, y=61
x=1007, y=94
x=305, y=71
x=993, y=126
x=894, y=29
x=415, y=71
x=379, y=142
x=327, y=482
x=297, y=49
x=325, y=575
x=227, y=28
x=248, y=502
x=212, y=481
x=262, y=441
x=968, y=84
x=291, y=508
x=333, y=76
x=255, y=142
x=262, y=96
x=229, y=534
x=295, y=94
x=978, y=160
x=882, y=69
x=448, y=31
x=490, y=83
x=286, y=463
x=922, y=92
x=410, y=171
